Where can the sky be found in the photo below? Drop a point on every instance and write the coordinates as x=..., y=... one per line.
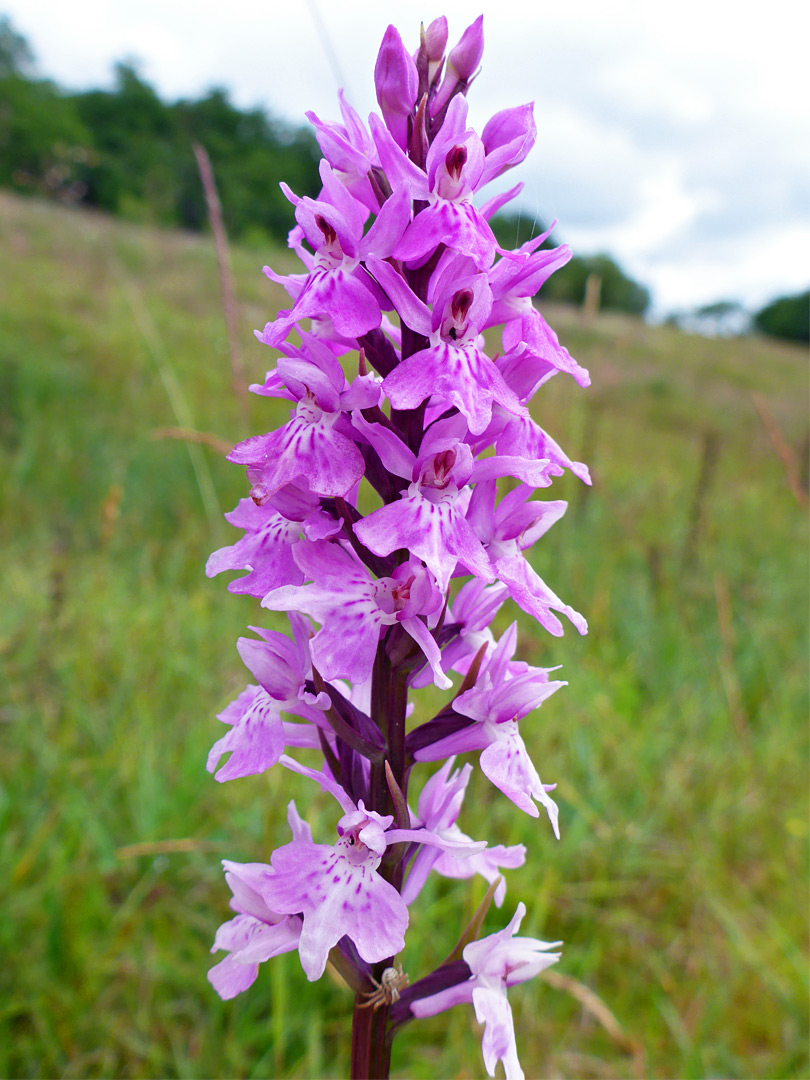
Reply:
x=672, y=135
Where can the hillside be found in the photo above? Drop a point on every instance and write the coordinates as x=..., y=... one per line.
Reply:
x=679, y=746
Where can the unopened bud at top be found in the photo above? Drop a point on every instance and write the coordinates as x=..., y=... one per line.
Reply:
x=462, y=64
x=436, y=39
x=464, y=60
x=429, y=57
x=396, y=83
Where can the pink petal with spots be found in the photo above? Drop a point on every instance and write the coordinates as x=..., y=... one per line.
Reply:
x=457, y=224
x=336, y=897
x=452, y=376
x=256, y=740
x=507, y=764
x=312, y=453
x=434, y=532
x=530, y=592
x=265, y=552
x=345, y=296
x=525, y=438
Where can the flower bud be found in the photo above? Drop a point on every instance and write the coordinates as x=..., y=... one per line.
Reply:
x=508, y=137
x=396, y=82
x=463, y=61
x=436, y=39
x=431, y=53
x=509, y=126
x=462, y=64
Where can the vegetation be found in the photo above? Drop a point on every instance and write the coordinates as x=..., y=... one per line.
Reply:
x=787, y=317
x=680, y=745
x=126, y=151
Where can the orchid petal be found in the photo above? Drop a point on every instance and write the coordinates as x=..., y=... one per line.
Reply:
x=255, y=742
x=326, y=782
x=427, y=643
x=493, y=1010
x=507, y=765
x=393, y=453
x=391, y=222
x=458, y=225
x=336, y=897
x=413, y=311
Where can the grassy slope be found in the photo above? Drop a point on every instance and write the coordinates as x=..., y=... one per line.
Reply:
x=679, y=886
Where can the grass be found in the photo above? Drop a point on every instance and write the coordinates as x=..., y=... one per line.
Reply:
x=680, y=745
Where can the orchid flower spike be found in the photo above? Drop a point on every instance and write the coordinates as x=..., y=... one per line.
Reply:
x=386, y=522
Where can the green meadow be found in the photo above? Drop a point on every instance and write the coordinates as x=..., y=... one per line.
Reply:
x=679, y=886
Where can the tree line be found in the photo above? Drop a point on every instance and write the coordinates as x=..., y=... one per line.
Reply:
x=126, y=151
x=569, y=284
x=787, y=317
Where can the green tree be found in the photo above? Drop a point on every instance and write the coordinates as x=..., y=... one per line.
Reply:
x=136, y=165
x=618, y=292
x=511, y=230
x=43, y=144
x=250, y=153
x=787, y=317
x=144, y=165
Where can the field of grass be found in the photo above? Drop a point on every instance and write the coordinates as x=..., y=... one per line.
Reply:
x=680, y=746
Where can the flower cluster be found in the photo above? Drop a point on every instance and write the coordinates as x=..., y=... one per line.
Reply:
x=376, y=522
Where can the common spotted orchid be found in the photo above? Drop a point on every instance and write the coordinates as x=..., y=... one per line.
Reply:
x=379, y=527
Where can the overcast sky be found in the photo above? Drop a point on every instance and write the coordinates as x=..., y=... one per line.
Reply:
x=673, y=135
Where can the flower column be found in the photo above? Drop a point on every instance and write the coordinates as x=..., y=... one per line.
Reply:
x=418, y=437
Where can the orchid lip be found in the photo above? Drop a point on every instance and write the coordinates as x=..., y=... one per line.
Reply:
x=353, y=849
x=308, y=408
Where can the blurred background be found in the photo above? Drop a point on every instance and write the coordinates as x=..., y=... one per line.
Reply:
x=673, y=152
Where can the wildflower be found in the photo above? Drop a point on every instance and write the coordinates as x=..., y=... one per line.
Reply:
x=337, y=888
x=257, y=933
x=354, y=609
x=258, y=734
x=366, y=509
x=499, y=700
x=495, y=962
x=439, y=807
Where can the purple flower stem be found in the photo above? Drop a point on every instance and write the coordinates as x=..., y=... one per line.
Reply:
x=371, y=1041
x=396, y=730
x=371, y=1046
x=379, y=352
x=345, y=732
x=381, y=714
